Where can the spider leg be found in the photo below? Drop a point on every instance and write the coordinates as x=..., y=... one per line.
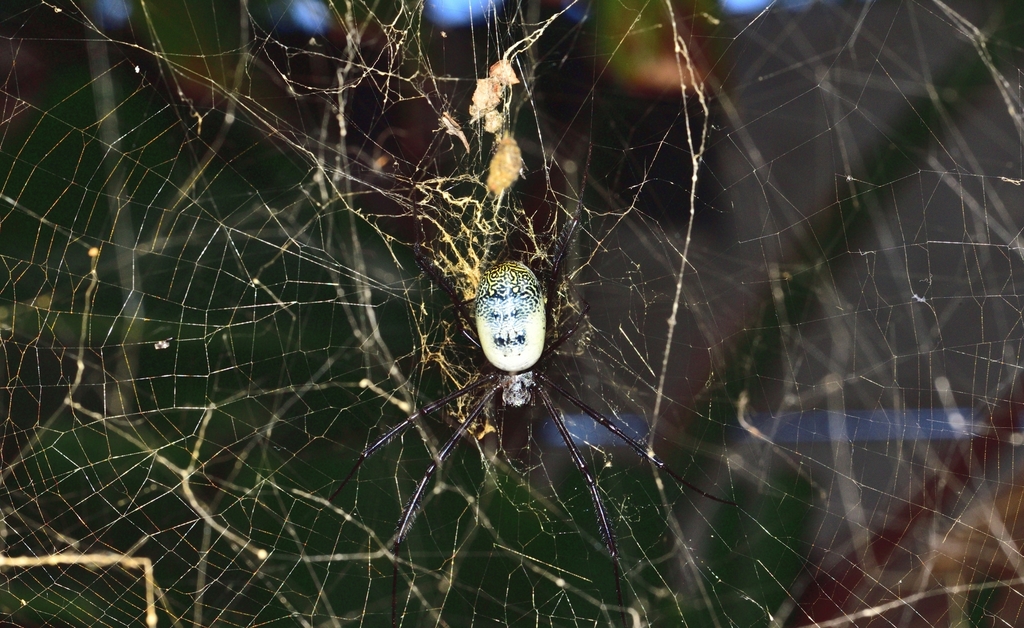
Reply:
x=603, y=519
x=561, y=243
x=561, y=246
x=635, y=445
x=557, y=342
x=412, y=508
x=401, y=427
x=428, y=266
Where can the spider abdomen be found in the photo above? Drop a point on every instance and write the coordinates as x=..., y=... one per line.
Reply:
x=510, y=320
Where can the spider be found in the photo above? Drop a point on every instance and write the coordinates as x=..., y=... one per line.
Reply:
x=513, y=314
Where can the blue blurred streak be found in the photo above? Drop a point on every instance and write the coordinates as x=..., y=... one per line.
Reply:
x=305, y=17
x=744, y=6
x=452, y=13
x=866, y=425
x=739, y=7
x=586, y=431
x=112, y=14
x=812, y=426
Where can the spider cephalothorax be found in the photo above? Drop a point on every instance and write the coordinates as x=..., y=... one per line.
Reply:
x=512, y=311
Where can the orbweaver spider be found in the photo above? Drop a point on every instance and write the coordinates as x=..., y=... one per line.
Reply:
x=513, y=313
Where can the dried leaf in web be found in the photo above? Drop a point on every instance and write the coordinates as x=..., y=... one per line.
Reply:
x=489, y=91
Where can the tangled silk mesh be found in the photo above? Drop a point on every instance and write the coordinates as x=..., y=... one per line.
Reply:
x=800, y=246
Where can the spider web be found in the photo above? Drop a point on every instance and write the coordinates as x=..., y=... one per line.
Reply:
x=800, y=247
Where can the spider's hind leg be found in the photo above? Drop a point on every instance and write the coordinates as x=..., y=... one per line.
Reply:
x=560, y=247
x=568, y=232
x=428, y=266
x=567, y=334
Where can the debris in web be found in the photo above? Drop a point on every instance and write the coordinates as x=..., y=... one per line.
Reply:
x=489, y=93
x=452, y=127
x=505, y=165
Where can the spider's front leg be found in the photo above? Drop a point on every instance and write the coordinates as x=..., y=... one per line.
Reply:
x=413, y=506
x=409, y=420
x=642, y=450
x=604, y=522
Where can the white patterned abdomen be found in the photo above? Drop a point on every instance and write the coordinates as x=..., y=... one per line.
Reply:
x=510, y=318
